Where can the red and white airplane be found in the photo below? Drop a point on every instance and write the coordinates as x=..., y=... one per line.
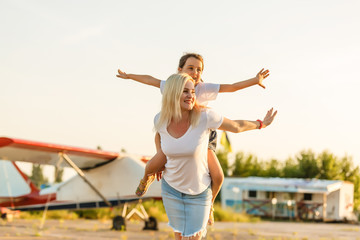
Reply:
x=104, y=179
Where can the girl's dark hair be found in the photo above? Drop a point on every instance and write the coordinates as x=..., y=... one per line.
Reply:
x=189, y=55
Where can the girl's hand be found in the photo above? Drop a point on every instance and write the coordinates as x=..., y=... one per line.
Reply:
x=261, y=76
x=269, y=117
x=122, y=74
x=160, y=173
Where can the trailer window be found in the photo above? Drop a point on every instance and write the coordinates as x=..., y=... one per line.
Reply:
x=307, y=196
x=252, y=194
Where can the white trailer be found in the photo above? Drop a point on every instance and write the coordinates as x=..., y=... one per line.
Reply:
x=326, y=200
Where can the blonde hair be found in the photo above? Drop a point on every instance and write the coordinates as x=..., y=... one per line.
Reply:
x=170, y=109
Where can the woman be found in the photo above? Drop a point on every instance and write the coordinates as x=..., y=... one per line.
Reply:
x=184, y=128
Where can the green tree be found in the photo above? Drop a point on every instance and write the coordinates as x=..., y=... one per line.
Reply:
x=246, y=165
x=273, y=169
x=290, y=169
x=241, y=166
x=308, y=165
x=328, y=166
x=257, y=167
x=347, y=171
x=37, y=176
x=223, y=160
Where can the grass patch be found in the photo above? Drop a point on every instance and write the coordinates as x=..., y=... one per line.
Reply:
x=228, y=215
x=154, y=208
x=100, y=213
x=53, y=214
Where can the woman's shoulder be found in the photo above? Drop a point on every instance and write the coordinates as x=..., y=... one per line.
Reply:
x=207, y=112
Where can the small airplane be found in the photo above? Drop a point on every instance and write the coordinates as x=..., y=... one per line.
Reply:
x=104, y=179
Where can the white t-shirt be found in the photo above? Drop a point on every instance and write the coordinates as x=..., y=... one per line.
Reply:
x=186, y=168
x=204, y=92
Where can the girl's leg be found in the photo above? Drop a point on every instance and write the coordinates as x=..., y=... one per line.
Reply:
x=217, y=179
x=153, y=166
x=157, y=162
x=216, y=173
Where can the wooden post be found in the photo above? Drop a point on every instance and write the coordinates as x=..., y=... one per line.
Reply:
x=324, y=207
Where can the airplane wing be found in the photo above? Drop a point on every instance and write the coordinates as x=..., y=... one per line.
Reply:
x=47, y=153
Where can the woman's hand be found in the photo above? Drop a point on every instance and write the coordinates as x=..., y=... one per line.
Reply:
x=269, y=117
x=261, y=76
x=122, y=74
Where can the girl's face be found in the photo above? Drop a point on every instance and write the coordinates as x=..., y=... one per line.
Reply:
x=187, y=99
x=193, y=67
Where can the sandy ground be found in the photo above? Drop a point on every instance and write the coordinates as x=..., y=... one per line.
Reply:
x=96, y=229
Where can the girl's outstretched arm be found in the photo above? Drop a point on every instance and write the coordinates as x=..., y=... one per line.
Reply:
x=145, y=79
x=246, y=83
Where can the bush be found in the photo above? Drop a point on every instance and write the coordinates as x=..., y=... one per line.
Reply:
x=100, y=213
x=52, y=214
x=62, y=214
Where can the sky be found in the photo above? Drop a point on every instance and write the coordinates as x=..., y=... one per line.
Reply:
x=59, y=59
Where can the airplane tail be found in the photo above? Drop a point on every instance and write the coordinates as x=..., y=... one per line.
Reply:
x=14, y=181
x=26, y=179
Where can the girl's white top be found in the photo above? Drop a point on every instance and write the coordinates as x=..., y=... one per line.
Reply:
x=204, y=92
x=187, y=169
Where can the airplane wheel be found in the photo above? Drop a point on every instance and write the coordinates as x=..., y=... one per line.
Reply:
x=151, y=224
x=3, y=216
x=119, y=223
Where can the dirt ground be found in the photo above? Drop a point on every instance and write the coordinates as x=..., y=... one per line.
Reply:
x=96, y=229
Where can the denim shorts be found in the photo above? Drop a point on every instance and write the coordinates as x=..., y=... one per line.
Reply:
x=188, y=214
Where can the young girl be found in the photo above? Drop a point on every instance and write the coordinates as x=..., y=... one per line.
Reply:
x=193, y=65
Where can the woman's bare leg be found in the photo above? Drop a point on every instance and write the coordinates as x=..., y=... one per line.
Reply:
x=178, y=236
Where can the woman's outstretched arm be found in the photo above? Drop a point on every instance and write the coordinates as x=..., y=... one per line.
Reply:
x=237, y=126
